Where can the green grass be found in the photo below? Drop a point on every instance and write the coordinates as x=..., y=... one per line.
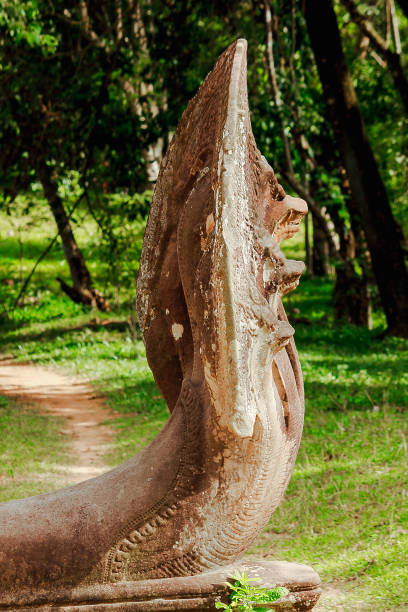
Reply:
x=32, y=450
x=346, y=509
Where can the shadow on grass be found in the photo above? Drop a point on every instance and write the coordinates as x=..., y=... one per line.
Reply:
x=32, y=249
x=55, y=332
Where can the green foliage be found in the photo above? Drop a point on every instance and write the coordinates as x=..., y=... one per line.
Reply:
x=23, y=21
x=121, y=222
x=93, y=105
x=67, y=110
x=380, y=104
x=244, y=596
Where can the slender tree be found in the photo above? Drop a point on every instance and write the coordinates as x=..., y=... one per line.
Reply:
x=391, y=58
x=366, y=184
x=82, y=290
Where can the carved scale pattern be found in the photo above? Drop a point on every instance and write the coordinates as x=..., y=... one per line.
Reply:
x=243, y=526
x=225, y=544
x=253, y=514
x=146, y=526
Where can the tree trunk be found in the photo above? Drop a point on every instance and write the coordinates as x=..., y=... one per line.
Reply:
x=351, y=296
x=153, y=153
x=145, y=109
x=321, y=251
x=365, y=181
x=308, y=250
x=81, y=291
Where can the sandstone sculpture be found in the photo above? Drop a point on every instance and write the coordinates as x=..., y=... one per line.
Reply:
x=163, y=530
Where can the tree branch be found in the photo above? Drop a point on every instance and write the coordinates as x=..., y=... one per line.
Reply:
x=366, y=26
x=274, y=85
x=43, y=254
x=395, y=28
x=119, y=23
x=393, y=59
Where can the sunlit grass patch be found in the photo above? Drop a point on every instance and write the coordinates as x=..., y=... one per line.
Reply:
x=32, y=448
x=346, y=510
x=24, y=238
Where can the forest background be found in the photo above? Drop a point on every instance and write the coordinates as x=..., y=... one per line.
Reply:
x=91, y=95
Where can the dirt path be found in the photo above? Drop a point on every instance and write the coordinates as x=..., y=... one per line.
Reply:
x=70, y=398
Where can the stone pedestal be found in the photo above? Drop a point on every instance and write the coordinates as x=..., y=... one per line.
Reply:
x=198, y=592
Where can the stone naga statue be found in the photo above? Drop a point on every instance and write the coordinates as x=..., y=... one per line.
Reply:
x=222, y=353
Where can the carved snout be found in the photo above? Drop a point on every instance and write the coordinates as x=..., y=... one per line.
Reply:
x=292, y=271
x=280, y=274
x=283, y=333
x=290, y=212
x=295, y=205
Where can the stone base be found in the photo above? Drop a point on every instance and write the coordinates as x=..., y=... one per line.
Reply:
x=198, y=592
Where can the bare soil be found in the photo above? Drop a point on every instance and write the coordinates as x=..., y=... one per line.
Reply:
x=74, y=400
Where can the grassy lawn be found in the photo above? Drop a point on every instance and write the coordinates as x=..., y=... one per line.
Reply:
x=33, y=451
x=346, y=509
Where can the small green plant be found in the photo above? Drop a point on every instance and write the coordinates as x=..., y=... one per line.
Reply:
x=245, y=597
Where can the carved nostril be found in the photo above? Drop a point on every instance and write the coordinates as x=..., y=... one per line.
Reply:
x=280, y=274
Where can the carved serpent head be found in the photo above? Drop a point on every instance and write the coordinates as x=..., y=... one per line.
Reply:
x=212, y=274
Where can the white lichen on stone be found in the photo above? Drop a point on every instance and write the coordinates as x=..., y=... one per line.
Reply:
x=177, y=330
